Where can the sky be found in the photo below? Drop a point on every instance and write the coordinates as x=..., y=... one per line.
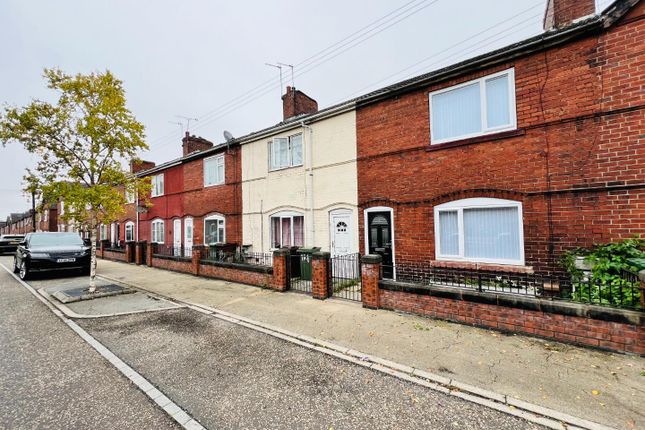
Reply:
x=207, y=59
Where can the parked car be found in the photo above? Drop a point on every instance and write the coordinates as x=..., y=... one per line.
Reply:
x=9, y=242
x=42, y=252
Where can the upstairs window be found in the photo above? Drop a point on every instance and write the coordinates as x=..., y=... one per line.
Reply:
x=214, y=170
x=129, y=197
x=480, y=230
x=474, y=108
x=285, y=152
x=157, y=185
x=157, y=231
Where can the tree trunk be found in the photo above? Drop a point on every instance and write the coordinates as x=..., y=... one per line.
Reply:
x=92, y=258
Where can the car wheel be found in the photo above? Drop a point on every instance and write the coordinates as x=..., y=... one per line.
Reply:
x=24, y=271
x=15, y=266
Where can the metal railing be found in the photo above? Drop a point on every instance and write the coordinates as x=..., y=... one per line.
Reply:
x=299, y=270
x=250, y=258
x=346, y=276
x=624, y=293
x=170, y=250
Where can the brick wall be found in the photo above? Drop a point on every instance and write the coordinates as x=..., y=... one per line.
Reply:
x=184, y=266
x=114, y=255
x=615, y=336
x=576, y=162
x=239, y=275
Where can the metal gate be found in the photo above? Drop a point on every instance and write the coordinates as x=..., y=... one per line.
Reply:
x=346, y=276
x=299, y=270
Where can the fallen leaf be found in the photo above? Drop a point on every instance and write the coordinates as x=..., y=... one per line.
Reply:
x=595, y=392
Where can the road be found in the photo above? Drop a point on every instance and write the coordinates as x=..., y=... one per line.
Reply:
x=224, y=375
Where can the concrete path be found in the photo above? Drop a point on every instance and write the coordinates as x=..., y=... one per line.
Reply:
x=602, y=387
x=50, y=378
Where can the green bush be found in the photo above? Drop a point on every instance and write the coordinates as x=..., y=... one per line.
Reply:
x=606, y=284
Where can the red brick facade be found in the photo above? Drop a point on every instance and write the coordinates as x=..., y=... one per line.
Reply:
x=576, y=161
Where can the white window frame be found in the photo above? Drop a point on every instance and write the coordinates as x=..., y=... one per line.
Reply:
x=129, y=225
x=129, y=197
x=216, y=159
x=155, y=232
x=485, y=130
x=157, y=189
x=102, y=232
x=211, y=218
x=291, y=215
x=290, y=152
x=472, y=203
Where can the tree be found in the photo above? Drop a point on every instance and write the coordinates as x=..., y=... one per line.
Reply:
x=81, y=143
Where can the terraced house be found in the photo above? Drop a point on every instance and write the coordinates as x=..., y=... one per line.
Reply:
x=506, y=160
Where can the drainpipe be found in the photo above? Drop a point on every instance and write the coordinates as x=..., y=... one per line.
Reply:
x=309, y=186
x=136, y=210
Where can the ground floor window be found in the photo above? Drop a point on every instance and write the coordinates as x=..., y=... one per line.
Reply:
x=214, y=230
x=480, y=230
x=287, y=229
x=103, y=232
x=157, y=231
x=129, y=231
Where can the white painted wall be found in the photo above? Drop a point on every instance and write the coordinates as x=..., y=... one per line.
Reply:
x=335, y=183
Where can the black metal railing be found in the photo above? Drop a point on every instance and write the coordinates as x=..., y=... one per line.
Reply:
x=346, y=276
x=116, y=246
x=299, y=270
x=237, y=256
x=258, y=258
x=170, y=250
x=623, y=293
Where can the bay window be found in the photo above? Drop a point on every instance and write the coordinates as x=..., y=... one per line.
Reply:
x=285, y=152
x=480, y=230
x=157, y=228
x=287, y=229
x=214, y=230
x=474, y=108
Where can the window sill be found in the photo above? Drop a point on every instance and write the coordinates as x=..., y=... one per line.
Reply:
x=478, y=139
x=214, y=185
x=482, y=266
x=285, y=168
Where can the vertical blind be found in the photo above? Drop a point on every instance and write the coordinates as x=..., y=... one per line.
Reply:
x=497, y=108
x=456, y=112
x=449, y=232
x=492, y=233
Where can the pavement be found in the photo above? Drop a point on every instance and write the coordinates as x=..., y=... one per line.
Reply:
x=51, y=378
x=603, y=387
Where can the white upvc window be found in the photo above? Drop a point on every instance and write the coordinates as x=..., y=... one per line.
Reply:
x=214, y=230
x=484, y=230
x=129, y=197
x=157, y=185
x=129, y=231
x=157, y=228
x=103, y=232
x=214, y=170
x=285, y=152
x=287, y=229
x=474, y=108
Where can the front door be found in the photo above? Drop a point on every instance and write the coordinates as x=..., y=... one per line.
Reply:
x=112, y=234
x=341, y=233
x=176, y=237
x=188, y=237
x=379, y=239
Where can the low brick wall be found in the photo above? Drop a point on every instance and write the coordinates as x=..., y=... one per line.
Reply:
x=606, y=328
x=244, y=274
x=175, y=264
x=110, y=254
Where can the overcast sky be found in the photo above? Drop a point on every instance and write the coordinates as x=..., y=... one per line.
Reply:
x=206, y=59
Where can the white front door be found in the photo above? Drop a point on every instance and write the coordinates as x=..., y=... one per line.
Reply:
x=112, y=234
x=188, y=237
x=341, y=233
x=176, y=237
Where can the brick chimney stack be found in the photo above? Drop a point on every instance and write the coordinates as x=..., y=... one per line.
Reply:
x=561, y=13
x=140, y=165
x=194, y=143
x=295, y=103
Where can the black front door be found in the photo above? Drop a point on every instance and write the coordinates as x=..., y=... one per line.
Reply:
x=380, y=239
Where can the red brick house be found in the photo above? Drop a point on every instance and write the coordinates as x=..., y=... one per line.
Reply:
x=510, y=158
x=195, y=200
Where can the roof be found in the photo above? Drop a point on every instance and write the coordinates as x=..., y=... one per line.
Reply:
x=524, y=47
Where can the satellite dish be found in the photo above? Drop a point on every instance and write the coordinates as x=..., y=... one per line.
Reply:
x=228, y=136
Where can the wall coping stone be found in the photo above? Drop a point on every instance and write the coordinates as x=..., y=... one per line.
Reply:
x=282, y=252
x=117, y=250
x=371, y=259
x=245, y=267
x=582, y=310
x=172, y=257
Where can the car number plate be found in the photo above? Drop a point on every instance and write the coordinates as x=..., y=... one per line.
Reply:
x=66, y=260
